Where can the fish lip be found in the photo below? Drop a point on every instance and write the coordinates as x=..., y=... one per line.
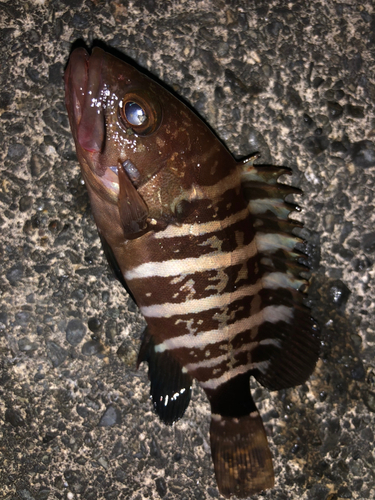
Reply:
x=91, y=129
x=75, y=79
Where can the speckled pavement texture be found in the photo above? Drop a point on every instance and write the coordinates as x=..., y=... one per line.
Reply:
x=293, y=80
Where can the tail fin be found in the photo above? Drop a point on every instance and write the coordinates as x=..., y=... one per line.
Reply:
x=241, y=456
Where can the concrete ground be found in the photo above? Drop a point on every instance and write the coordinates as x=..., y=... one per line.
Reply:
x=294, y=80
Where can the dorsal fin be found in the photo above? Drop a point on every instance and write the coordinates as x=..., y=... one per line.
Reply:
x=288, y=349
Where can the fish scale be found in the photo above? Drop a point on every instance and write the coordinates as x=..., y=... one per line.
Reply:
x=205, y=246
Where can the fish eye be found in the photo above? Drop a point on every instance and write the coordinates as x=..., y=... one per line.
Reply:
x=134, y=113
x=140, y=111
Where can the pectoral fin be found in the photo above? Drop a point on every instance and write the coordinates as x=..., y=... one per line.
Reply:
x=133, y=210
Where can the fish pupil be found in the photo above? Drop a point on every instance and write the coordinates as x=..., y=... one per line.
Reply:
x=135, y=114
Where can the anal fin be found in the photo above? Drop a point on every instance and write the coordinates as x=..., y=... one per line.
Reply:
x=241, y=456
x=170, y=386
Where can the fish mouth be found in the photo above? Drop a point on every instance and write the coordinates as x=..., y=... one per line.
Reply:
x=85, y=99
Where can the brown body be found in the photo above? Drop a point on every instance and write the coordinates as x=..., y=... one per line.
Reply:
x=205, y=246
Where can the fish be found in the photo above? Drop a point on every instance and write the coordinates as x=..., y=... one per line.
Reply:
x=205, y=246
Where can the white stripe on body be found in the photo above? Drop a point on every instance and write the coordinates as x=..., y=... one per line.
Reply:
x=192, y=265
x=195, y=306
x=199, y=192
x=272, y=314
x=271, y=281
x=211, y=362
x=213, y=383
x=198, y=229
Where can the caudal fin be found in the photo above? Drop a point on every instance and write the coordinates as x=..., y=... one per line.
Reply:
x=241, y=456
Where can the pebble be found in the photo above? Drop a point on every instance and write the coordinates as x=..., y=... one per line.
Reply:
x=211, y=64
x=22, y=318
x=308, y=121
x=110, y=417
x=335, y=110
x=355, y=111
x=120, y=475
x=154, y=448
x=368, y=242
x=363, y=154
x=316, y=144
x=344, y=492
x=94, y=324
x=3, y=320
x=75, y=481
x=111, y=330
x=358, y=372
x=15, y=274
x=38, y=165
x=55, y=73
x=317, y=82
x=370, y=401
x=25, y=345
x=14, y=417
x=91, y=348
x=161, y=486
x=274, y=28
x=75, y=331
x=25, y=203
x=338, y=293
x=55, y=353
x=82, y=411
x=16, y=152
x=79, y=21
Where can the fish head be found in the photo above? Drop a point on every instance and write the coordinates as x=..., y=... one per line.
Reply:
x=129, y=130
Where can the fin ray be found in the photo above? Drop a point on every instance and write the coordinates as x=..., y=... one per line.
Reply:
x=292, y=357
x=290, y=349
x=170, y=386
x=241, y=455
